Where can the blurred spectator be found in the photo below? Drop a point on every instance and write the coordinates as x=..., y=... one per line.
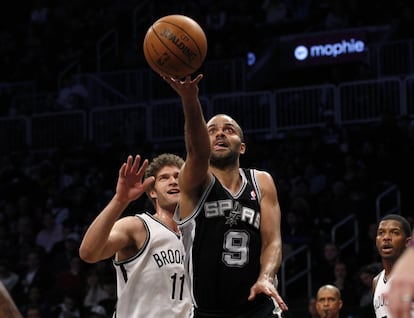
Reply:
x=39, y=13
x=97, y=312
x=346, y=285
x=95, y=290
x=72, y=95
x=34, y=273
x=324, y=271
x=79, y=94
x=216, y=18
x=65, y=96
x=368, y=252
x=9, y=278
x=36, y=303
x=71, y=282
x=67, y=308
x=276, y=12
x=366, y=274
x=316, y=179
x=335, y=203
x=328, y=302
x=402, y=23
x=312, y=312
x=33, y=312
x=63, y=252
x=295, y=231
x=336, y=17
x=109, y=302
x=25, y=235
x=50, y=234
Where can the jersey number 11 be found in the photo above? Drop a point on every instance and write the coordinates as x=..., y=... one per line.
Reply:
x=179, y=290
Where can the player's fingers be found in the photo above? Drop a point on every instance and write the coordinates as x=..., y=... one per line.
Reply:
x=198, y=78
x=275, y=295
x=129, y=164
x=135, y=164
x=252, y=294
x=282, y=304
x=122, y=170
x=147, y=182
x=142, y=169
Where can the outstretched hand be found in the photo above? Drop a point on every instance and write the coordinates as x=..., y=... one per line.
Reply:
x=130, y=184
x=268, y=288
x=187, y=88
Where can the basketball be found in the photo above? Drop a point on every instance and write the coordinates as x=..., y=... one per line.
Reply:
x=175, y=46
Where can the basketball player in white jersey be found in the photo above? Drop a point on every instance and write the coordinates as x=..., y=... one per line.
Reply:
x=393, y=236
x=147, y=250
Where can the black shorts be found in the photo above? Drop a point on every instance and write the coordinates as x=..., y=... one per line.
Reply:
x=261, y=310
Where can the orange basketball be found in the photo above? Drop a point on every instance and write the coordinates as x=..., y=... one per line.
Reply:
x=175, y=46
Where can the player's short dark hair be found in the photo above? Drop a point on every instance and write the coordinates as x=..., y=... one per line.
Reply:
x=405, y=225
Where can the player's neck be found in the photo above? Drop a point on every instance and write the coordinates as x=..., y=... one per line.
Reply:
x=229, y=177
x=166, y=217
x=387, y=265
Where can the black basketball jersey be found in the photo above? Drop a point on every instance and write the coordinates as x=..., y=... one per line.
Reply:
x=223, y=243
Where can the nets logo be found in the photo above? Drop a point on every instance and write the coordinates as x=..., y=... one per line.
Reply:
x=345, y=47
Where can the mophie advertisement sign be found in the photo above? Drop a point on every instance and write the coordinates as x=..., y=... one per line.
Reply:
x=323, y=48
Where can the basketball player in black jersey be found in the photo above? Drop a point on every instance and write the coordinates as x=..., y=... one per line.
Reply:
x=230, y=218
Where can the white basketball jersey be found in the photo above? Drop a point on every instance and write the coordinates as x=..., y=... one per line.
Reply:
x=380, y=305
x=153, y=283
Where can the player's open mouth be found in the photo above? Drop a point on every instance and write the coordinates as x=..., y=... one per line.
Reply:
x=387, y=248
x=219, y=145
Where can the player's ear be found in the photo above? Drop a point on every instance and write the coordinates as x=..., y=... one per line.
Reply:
x=242, y=148
x=152, y=194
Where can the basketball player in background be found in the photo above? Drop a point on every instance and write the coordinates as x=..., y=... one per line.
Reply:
x=328, y=301
x=229, y=216
x=147, y=250
x=393, y=235
x=400, y=295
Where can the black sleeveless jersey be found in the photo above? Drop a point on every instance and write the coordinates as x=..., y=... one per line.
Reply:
x=223, y=244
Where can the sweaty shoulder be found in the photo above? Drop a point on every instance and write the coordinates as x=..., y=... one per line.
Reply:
x=265, y=179
x=130, y=222
x=263, y=174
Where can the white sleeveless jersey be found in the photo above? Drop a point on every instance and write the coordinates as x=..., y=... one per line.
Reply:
x=153, y=283
x=380, y=305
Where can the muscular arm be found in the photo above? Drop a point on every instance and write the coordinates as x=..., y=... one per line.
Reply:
x=271, y=253
x=107, y=235
x=194, y=174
